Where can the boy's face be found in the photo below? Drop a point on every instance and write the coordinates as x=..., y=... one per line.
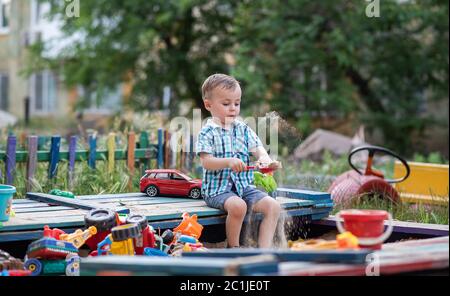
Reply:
x=224, y=104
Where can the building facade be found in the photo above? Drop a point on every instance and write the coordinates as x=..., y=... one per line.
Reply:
x=22, y=22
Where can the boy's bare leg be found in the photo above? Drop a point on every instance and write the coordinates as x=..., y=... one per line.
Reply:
x=236, y=209
x=271, y=209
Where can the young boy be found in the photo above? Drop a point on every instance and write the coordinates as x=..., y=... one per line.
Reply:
x=224, y=145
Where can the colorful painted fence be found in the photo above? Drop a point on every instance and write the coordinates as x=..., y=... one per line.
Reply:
x=141, y=151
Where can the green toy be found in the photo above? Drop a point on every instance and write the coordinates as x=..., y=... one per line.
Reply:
x=265, y=181
x=58, y=192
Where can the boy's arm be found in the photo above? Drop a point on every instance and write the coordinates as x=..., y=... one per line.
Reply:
x=212, y=163
x=263, y=157
x=257, y=149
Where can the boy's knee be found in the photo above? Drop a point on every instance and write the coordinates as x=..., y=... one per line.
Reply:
x=274, y=208
x=236, y=207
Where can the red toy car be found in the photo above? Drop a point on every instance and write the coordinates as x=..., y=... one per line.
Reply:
x=170, y=182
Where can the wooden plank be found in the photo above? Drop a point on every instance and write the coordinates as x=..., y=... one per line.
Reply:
x=69, y=202
x=144, y=265
x=111, y=144
x=166, y=149
x=11, y=159
x=72, y=155
x=23, y=200
x=40, y=209
x=160, y=156
x=51, y=216
x=130, y=157
x=143, y=144
x=320, y=256
x=54, y=157
x=32, y=161
x=92, y=151
x=29, y=205
x=109, y=196
x=303, y=194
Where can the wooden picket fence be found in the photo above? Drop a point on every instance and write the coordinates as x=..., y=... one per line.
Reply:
x=141, y=152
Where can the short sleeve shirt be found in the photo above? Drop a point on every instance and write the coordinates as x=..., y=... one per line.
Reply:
x=237, y=141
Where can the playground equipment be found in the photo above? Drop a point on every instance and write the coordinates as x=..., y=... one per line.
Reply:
x=428, y=183
x=354, y=183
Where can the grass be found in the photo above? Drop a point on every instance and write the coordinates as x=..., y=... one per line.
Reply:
x=86, y=181
x=422, y=213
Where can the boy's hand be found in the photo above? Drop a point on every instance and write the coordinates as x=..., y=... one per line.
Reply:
x=236, y=165
x=272, y=164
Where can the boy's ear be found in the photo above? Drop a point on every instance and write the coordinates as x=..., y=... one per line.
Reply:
x=207, y=104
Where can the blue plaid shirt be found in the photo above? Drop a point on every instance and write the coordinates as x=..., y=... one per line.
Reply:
x=222, y=143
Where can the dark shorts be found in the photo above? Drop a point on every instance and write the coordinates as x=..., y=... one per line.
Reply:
x=251, y=196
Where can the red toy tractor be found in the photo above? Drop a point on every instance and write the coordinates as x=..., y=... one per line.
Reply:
x=354, y=183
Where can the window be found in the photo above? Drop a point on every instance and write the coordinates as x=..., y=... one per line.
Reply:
x=164, y=176
x=5, y=15
x=43, y=92
x=4, y=92
x=177, y=177
x=104, y=102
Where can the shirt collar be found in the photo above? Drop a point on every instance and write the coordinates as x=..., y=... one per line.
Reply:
x=213, y=124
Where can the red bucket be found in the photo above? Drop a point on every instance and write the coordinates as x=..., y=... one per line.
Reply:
x=366, y=225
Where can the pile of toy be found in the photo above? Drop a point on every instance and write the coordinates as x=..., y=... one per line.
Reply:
x=106, y=233
x=132, y=235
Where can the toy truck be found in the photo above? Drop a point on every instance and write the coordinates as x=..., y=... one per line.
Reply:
x=49, y=256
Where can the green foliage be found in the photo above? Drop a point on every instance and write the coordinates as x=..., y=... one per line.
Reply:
x=404, y=212
x=434, y=157
x=301, y=58
x=87, y=181
x=304, y=58
x=151, y=43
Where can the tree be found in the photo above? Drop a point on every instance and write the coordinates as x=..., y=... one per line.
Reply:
x=304, y=57
x=152, y=43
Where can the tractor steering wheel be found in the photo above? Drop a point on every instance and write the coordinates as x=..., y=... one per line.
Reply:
x=369, y=171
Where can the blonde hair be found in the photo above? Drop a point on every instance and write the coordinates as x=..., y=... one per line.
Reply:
x=216, y=80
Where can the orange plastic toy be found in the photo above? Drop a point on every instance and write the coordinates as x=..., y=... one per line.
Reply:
x=189, y=226
x=347, y=240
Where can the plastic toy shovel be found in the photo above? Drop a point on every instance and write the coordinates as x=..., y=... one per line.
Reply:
x=263, y=170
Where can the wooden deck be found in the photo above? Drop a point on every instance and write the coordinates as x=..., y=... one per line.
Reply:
x=37, y=210
x=394, y=258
